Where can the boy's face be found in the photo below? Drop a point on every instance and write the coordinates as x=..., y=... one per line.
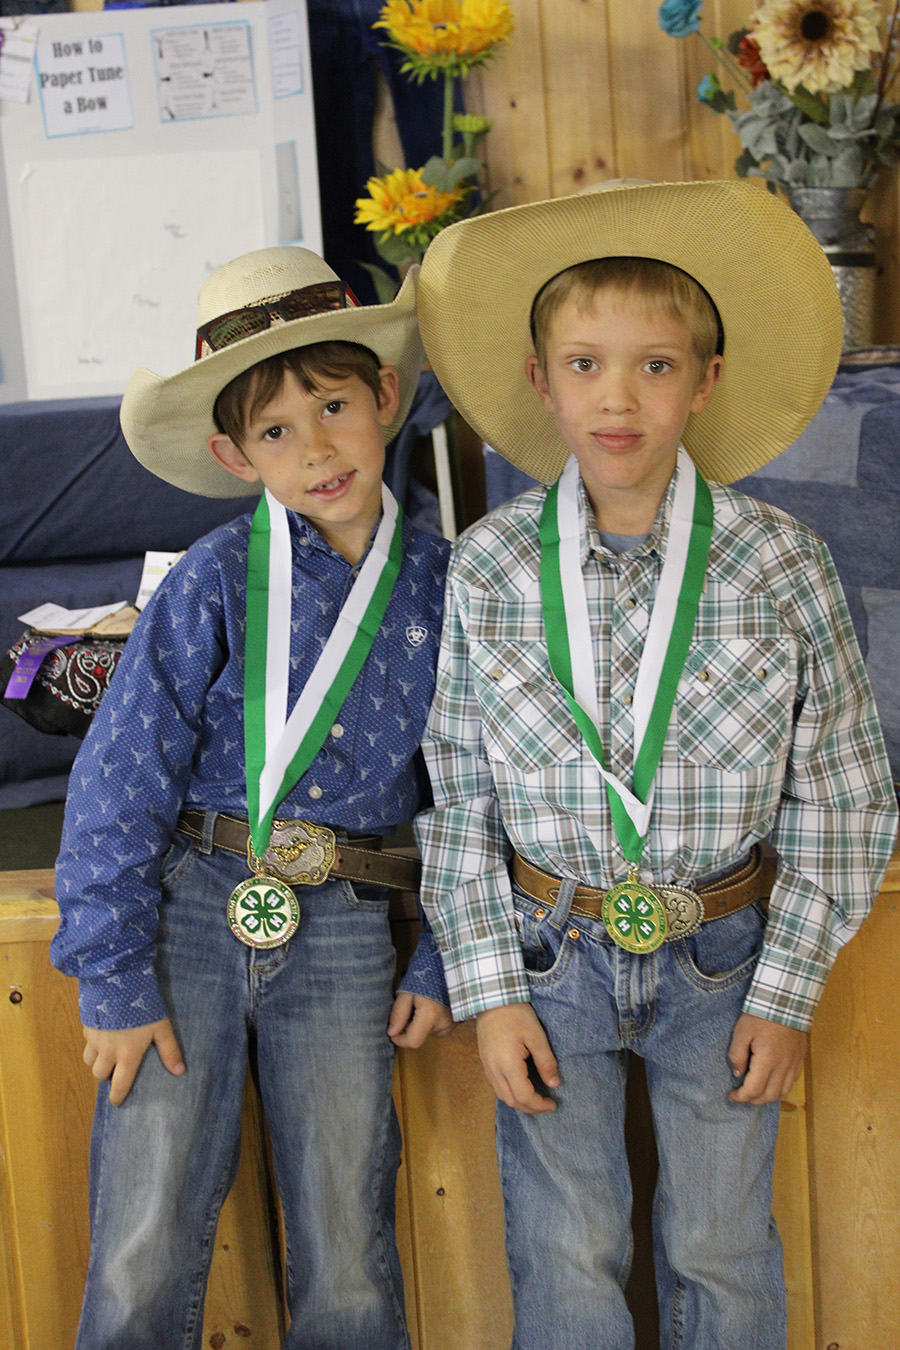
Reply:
x=620, y=379
x=320, y=454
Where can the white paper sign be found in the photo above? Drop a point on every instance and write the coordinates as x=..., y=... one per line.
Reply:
x=156, y=566
x=49, y=617
x=83, y=84
x=204, y=72
x=18, y=39
x=285, y=54
x=172, y=205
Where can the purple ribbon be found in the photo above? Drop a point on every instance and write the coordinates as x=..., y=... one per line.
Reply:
x=29, y=663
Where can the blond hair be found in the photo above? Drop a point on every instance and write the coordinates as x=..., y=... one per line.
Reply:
x=648, y=278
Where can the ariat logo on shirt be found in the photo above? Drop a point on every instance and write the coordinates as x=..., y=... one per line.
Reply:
x=416, y=634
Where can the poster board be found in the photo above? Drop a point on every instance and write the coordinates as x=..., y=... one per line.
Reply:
x=155, y=145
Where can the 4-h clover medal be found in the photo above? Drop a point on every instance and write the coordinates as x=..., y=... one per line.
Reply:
x=634, y=916
x=263, y=912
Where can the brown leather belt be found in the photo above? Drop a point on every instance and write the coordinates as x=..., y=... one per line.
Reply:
x=750, y=880
x=363, y=860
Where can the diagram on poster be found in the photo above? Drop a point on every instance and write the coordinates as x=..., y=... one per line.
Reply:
x=204, y=72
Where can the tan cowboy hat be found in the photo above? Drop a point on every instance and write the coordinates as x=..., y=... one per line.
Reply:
x=166, y=422
x=767, y=275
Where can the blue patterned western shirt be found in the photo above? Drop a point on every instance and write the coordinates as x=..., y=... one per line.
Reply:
x=774, y=735
x=169, y=733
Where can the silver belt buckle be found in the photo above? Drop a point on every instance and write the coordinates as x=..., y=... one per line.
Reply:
x=299, y=853
x=684, y=911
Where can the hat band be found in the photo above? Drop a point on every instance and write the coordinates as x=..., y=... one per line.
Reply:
x=238, y=324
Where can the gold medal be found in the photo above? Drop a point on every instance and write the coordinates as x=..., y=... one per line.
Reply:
x=263, y=912
x=634, y=916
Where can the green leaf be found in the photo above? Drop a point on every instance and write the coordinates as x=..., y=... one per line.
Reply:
x=744, y=163
x=818, y=139
x=467, y=167
x=808, y=103
x=849, y=168
x=386, y=286
x=396, y=248
x=437, y=173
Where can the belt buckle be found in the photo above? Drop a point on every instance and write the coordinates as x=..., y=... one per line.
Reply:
x=684, y=911
x=299, y=853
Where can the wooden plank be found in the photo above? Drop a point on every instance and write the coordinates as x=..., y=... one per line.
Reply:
x=510, y=91
x=28, y=911
x=855, y=1137
x=791, y=1206
x=577, y=87
x=647, y=87
x=456, y=1213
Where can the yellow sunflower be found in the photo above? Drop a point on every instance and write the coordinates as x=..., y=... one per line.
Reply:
x=401, y=201
x=820, y=44
x=445, y=35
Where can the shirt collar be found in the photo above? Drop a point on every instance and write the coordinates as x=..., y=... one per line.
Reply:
x=655, y=541
x=304, y=532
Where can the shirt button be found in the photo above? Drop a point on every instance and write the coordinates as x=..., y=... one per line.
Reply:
x=337, y=731
x=631, y=603
x=496, y=674
x=703, y=676
x=304, y=541
x=761, y=673
x=627, y=700
x=315, y=792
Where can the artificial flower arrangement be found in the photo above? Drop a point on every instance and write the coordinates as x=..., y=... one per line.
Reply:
x=817, y=76
x=445, y=39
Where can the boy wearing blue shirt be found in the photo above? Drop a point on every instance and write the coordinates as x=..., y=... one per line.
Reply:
x=642, y=677
x=283, y=669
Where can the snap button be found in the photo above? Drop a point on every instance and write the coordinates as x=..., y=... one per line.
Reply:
x=761, y=673
x=315, y=792
x=496, y=674
x=337, y=731
x=631, y=603
x=627, y=699
x=703, y=676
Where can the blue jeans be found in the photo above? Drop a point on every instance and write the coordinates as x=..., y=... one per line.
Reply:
x=566, y=1186
x=312, y=1015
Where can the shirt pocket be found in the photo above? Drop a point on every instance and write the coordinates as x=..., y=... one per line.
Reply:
x=735, y=702
x=526, y=721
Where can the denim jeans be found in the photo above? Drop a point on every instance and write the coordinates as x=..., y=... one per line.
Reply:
x=566, y=1185
x=313, y=1015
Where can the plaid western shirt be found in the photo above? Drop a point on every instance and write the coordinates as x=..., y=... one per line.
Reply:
x=774, y=734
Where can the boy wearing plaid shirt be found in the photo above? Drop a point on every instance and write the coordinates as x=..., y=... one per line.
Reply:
x=642, y=677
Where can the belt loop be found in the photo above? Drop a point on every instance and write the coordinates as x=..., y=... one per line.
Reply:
x=563, y=901
x=209, y=830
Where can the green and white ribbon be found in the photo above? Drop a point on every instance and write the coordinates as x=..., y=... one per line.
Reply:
x=278, y=748
x=568, y=630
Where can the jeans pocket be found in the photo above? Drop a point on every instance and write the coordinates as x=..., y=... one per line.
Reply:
x=723, y=951
x=364, y=895
x=178, y=860
x=546, y=951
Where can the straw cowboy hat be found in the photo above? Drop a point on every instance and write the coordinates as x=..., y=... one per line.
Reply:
x=260, y=304
x=766, y=274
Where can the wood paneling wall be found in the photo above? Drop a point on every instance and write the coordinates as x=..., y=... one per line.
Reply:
x=587, y=90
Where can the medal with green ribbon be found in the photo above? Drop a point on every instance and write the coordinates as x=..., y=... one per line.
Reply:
x=633, y=913
x=278, y=749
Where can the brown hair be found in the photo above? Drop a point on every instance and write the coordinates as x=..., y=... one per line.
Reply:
x=649, y=278
x=243, y=397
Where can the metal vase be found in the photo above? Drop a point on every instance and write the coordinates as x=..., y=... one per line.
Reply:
x=832, y=214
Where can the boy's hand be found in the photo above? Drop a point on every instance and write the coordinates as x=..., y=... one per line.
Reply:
x=414, y=1018
x=118, y=1054
x=770, y=1054
x=507, y=1038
